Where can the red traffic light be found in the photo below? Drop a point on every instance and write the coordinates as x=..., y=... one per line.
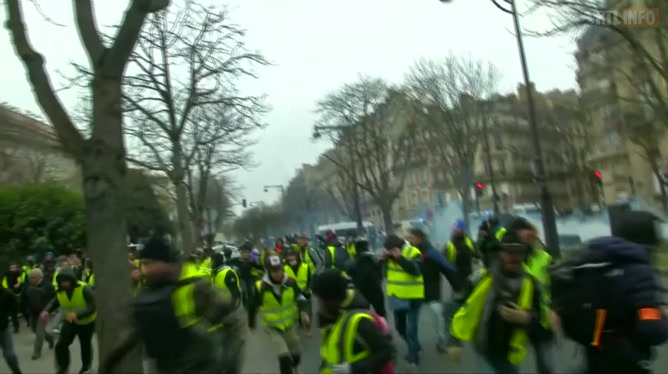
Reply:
x=598, y=175
x=479, y=186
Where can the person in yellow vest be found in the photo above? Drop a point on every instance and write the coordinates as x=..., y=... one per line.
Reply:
x=77, y=303
x=136, y=277
x=15, y=281
x=280, y=302
x=173, y=315
x=496, y=310
x=352, y=342
x=350, y=243
x=308, y=254
x=405, y=292
x=301, y=273
x=88, y=275
x=233, y=330
x=537, y=263
x=337, y=255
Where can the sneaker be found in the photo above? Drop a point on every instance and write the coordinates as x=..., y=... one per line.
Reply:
x=36, y=356
x=84, y=371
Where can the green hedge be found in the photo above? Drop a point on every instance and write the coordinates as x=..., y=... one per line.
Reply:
x=40, y=218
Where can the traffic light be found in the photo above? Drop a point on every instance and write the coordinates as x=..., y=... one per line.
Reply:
x=243, y=203
x=479, y=189
x=598, y=178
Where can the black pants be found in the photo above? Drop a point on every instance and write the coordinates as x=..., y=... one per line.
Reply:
x=67, y=334
x=374, y=295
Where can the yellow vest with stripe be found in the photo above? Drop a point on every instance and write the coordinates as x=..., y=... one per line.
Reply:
x=351, y=249
x=279, y=315
x=301, y=277
x=182, y=297
x=400, y=284
x=75, y=304
x=467, y=319
x=452, y=250
x=338, y=344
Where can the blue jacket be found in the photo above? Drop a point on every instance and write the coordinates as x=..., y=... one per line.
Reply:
x=434, y=264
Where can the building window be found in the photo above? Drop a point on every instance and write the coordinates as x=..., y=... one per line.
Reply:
x=604, y=85
x=498, y=143
x=608, y=111
x=502, y=166
x=614, y=141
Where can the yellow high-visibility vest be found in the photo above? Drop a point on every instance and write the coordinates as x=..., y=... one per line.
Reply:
x=301, y=277
x=182, y=297
x=536, y=265
x=468, y=317
x=75, y=304
x=400, y=284
x=279, y=315
x=500, y=233
x=451, y=250
x=338, y=342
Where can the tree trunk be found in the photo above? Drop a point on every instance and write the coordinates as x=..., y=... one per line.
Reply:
x=185, y=225
x=386, y=211
x=104, y=171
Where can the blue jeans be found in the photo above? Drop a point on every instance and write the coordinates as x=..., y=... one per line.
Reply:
x=406, y=323
x=7, y=345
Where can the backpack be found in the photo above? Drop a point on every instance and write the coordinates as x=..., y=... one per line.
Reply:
x=384, y=327
x=588, y=294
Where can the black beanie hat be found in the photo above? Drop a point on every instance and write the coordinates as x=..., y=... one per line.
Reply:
x=330, y=285
x=157, y=249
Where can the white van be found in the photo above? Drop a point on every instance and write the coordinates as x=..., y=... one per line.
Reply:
x=342, y=229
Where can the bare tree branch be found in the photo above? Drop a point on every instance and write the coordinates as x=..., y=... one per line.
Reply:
x=455, y=94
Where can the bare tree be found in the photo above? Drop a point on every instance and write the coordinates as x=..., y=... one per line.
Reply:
x=574, y=136
x=456, y=96
x=102, y=154
x=227, y=136
x=167, y=110
x=256, y=222
x=603, y=24
x=375, y=123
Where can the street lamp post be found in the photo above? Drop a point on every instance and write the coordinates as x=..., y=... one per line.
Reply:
x=538, y=166
x=357, y=204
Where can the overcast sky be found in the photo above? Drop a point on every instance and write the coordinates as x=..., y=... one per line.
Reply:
x=317, y=45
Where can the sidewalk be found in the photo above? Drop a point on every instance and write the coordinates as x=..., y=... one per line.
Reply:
x=23, y=345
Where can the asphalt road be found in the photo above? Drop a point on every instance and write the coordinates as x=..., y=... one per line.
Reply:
x=259, y=356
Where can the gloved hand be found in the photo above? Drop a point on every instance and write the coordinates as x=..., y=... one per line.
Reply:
x=454, y=354
x=514, y=314
x=342, y=369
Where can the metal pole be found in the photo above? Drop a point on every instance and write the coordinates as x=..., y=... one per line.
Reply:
x=490, y=168
x=547, y=207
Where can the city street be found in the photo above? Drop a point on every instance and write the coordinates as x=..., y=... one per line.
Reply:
x=259, y=357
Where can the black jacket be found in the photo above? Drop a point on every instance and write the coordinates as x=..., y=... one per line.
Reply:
x=38, y=297
x=8, y=307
